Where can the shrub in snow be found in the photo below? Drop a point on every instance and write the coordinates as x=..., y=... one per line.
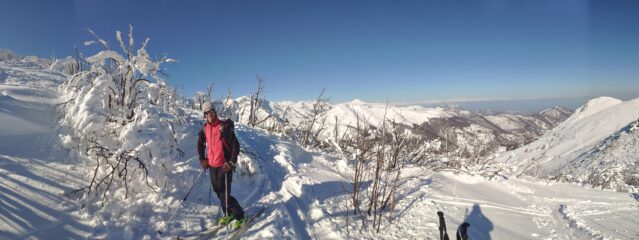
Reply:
x=6, y=55
x=378, y=157
x=120, y=113
x=66, y=65
x=314, y=122
x=32, y=59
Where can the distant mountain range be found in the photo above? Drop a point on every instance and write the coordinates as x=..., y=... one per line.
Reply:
x=445, y=130
x=596, y=144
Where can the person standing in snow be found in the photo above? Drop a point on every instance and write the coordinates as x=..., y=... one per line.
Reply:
x=218, y=148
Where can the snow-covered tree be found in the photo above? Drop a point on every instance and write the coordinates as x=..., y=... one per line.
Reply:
x=122, y=116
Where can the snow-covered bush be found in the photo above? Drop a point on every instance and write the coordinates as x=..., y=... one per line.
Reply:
x=121, y=115
x=32, y=59
x=6, y=55
x=66, y=65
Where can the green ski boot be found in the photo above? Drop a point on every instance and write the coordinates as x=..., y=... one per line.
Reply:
x=238, y=223
x=225, y=220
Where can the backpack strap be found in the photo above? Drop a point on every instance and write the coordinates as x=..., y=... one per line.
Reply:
x=226, y=128
x=223, y=136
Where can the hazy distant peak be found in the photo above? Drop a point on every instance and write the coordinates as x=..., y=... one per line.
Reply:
x=555, y=112
x=357, y=101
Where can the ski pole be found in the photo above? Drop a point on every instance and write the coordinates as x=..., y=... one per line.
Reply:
x=184, y=199
x=226, y=201
x=462, y=231
x=443, y=235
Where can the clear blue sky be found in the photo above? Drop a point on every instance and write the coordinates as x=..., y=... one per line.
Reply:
x=406, y=51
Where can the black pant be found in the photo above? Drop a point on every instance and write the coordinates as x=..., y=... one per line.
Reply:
x=217, y=181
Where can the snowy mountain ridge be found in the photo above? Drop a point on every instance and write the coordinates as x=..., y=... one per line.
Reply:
x=588, y=126
x=592, y=107
x=445, y=129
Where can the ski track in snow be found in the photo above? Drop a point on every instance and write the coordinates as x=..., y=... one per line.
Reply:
x=285, y=167
x=536, y=211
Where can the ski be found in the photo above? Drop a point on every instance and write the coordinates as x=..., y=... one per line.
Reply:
x=443, y=235
x=211, y=233
x=206, y=234
x=237, y=233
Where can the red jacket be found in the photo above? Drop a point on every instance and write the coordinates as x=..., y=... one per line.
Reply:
x=220, y=142
x=214, y=144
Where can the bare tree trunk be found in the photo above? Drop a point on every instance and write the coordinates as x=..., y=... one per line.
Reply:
x=319, y=109
x=255, y=102
x=362, y=146
x=378, y=188
x=209, y=91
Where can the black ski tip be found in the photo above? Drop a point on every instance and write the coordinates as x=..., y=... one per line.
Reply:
x=160, y=232
x=465, y=225
x=440, y=213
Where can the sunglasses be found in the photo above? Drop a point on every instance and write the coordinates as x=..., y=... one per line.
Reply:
x=208, y=112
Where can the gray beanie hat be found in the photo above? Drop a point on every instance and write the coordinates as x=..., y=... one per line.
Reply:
x=206, y=106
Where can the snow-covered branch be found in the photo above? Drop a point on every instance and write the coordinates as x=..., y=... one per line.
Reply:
x=122, y=114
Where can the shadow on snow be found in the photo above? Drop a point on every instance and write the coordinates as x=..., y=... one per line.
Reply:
x=22, y=210
x=480, y=225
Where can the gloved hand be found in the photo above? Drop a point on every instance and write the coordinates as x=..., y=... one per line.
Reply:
x=227, y=167
x=204, y=163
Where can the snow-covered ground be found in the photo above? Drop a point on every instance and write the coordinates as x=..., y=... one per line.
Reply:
x=34, y=170
x=304, y=192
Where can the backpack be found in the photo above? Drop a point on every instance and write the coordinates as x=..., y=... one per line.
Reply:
x=231, y=144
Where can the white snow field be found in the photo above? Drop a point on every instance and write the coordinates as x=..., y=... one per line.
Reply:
x=304, y=192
